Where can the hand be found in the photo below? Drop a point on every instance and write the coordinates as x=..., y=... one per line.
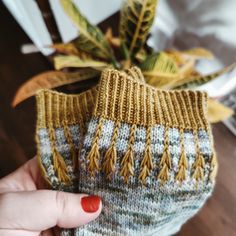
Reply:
x=27, y=211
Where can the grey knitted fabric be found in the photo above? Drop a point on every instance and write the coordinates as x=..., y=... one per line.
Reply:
x=158, y=205
x=133, y=209
x=60, y=129
x=63, y=148
x=148, y=154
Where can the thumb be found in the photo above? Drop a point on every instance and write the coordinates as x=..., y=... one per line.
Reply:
x=44, y=209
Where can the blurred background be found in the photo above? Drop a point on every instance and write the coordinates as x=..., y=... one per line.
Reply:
x=28, y=27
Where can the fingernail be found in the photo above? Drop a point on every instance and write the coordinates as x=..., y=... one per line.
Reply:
x=90, y=203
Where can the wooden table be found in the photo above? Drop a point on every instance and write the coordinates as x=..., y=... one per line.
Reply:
x=17, y=126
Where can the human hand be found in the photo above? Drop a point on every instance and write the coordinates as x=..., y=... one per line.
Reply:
x=25, y=210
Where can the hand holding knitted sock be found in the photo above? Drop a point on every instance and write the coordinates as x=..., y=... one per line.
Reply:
x=61, y=123
x=28, y=211
x=147, y=153
x=60, y=126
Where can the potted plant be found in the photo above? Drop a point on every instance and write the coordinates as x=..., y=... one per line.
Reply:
x=86, y=56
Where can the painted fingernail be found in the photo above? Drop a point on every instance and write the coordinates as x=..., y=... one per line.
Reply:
x=90, y=203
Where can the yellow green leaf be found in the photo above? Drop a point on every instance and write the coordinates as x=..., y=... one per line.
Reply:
x=186, y=71
x=198, y=53
x=187, y=68
x=74, y=61
x=91, y=38
x=159, y=62
x=159, y=69
x=181, y=57
x=218, y=112
x=178, y=57
x=135, y=22
x=51, y=79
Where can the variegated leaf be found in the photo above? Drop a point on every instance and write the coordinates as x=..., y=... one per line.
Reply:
x=91, y=38
x=185, y=71
x=51, y=79
x=74, y=61
x=181, y=57
x=199, y=80
x=71, y=49
x=159, y=69
x=136, y=20
x=183, y=78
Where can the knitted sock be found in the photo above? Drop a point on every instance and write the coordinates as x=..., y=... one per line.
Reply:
x=61, y=122
x=149, y=155
x=60, y=127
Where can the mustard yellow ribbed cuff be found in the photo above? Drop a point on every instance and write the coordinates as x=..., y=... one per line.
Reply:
x=55, y=109
x=120, y=98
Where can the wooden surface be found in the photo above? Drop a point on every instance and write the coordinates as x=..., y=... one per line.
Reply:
x=217, y=218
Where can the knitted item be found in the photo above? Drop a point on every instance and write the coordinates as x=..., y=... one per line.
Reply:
x=60, y=127
x=61, y=121
x=149, y=155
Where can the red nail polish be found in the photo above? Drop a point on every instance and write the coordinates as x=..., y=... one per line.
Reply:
x=90, y=203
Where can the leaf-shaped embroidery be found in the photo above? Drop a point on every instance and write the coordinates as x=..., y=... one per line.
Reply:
x=93, y=157
x=183, y=165
x=198, y=167
x=109, y=162
x=60, y=168
x=166, y=159
x=136, y=20
x=198, y=174
x=91, y=38
x=164, y=174
x=94, y=153
x=165, y=166
x=59, y=164
x=146, y=165
x=127, y=164
x=108, y=165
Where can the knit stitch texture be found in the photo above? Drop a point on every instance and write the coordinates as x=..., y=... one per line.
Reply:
x=147, y=153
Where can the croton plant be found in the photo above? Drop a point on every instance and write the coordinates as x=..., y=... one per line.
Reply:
x=85, y=57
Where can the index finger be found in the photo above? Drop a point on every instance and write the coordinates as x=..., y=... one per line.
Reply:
x=26, y=178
